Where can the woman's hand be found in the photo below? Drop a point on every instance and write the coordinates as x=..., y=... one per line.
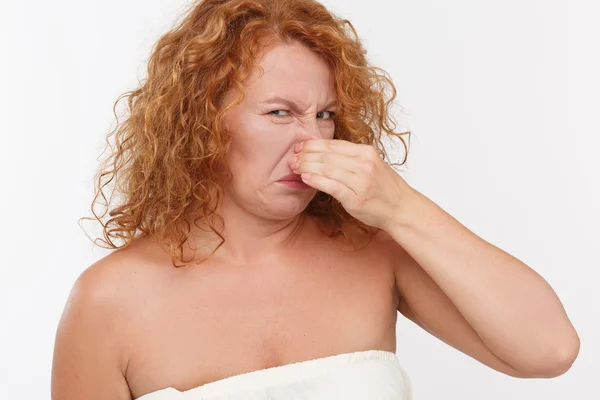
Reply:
x=366, y=186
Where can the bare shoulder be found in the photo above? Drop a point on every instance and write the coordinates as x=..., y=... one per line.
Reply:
x=401, y=260
x=391, y=253
x=388, y=246
x=405, y=269
x=90, y=351
x=111, y=284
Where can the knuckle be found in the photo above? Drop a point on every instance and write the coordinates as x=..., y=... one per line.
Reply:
x=338, y=189
x=369, y=166
x=328, y=171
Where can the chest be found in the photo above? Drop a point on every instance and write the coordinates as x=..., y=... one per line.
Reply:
x=223, y=320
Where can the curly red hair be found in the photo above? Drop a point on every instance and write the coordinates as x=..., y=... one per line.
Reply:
x=171, y=149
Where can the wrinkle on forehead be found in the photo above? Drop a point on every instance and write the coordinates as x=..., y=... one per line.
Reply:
x=294, y=73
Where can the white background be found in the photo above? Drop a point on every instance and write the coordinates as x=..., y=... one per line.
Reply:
x=503, y=98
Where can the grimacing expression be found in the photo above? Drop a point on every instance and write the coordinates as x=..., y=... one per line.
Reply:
x=264, y=131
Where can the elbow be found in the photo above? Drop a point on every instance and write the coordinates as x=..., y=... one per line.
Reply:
x=559, y=362
x=566, y=357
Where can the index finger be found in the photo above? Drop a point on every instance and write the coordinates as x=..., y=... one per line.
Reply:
x=330, y=145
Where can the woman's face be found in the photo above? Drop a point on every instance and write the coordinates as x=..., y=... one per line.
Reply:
x=265, y=129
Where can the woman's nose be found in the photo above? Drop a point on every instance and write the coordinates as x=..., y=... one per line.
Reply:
x=309, y=130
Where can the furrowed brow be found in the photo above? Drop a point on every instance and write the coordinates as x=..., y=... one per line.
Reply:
x=291, y=104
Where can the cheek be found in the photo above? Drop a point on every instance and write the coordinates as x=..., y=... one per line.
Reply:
x=261, y=132
x=247, y=140
x=256, y=149
x=266, y=142
x=329, y=133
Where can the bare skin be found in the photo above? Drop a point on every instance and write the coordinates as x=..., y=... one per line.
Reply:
x=134, y=324
x=203, y=323
x=271, y=295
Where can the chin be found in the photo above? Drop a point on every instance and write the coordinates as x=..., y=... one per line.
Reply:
x=290, y=209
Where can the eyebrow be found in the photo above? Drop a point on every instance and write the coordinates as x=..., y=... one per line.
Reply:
x=291, y=104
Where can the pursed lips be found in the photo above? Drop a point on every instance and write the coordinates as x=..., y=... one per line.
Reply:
x=291, y=177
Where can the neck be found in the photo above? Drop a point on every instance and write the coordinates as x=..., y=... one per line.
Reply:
x=249, y=238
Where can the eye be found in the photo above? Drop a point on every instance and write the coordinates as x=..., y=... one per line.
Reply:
x=330, y=112
x=271, y=113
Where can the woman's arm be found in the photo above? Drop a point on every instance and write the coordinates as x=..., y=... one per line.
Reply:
x=513, y=310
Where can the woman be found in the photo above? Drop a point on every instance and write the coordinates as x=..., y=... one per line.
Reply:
x=268, y=246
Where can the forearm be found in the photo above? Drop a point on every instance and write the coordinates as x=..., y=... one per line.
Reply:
x=512, y=308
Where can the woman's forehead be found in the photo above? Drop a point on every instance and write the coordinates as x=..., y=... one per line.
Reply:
x=291, y=68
